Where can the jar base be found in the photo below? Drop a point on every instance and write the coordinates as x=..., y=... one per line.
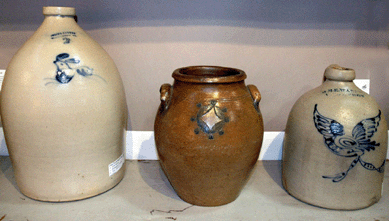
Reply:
x=74, y=198
x=331, y=207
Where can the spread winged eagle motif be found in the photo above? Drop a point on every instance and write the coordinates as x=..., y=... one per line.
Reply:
x=348, y=146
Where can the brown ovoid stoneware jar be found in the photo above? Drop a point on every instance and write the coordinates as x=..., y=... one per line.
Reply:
x=208, y=133
x=64, y=113
x=335, y=145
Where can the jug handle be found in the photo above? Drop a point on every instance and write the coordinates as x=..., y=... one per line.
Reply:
x=256, y=95
x=166, y=93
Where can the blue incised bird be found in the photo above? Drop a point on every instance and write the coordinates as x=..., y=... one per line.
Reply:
x=348, y=146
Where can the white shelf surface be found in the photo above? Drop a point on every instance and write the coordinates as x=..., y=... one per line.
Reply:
x=145, y=194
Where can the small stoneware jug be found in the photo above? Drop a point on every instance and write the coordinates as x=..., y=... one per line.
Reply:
x=208, y=133
x=64, y=113
x=335, y=145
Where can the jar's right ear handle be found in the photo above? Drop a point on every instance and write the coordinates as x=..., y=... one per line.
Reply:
x=166, y=94
x=256, y=95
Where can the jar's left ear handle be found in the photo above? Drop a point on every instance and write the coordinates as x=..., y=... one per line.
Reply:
x=256, y=95
x=166, y=91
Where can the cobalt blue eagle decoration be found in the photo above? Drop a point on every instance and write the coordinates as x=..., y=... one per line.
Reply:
x=348, y=146
x=67, y=68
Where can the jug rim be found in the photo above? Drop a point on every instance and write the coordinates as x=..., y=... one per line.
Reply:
x=337, y=73
x=59, y=11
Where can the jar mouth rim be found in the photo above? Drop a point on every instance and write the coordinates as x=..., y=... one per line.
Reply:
x=209, y=74
x=61, y=11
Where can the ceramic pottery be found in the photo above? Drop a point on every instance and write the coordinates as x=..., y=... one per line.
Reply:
x=335, y=145
x=64, y=113
x=208, y=133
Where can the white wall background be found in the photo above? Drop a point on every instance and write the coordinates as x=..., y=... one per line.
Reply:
x=283, y=46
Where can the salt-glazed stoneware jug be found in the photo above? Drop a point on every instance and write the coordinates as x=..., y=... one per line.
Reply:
x=64, y=113
x=335, y=145
x=208, y=133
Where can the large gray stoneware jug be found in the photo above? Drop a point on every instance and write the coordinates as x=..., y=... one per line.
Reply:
x=335, y=145
x=64, y=113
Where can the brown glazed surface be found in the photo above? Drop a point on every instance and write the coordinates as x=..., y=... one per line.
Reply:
x=208, y=133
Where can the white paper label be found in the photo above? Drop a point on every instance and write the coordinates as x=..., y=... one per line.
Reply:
x=116, y=165
x=2, y=72
x=363, y=84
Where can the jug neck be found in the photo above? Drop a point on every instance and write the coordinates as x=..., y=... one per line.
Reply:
x=59, y=17
x=337, y=73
